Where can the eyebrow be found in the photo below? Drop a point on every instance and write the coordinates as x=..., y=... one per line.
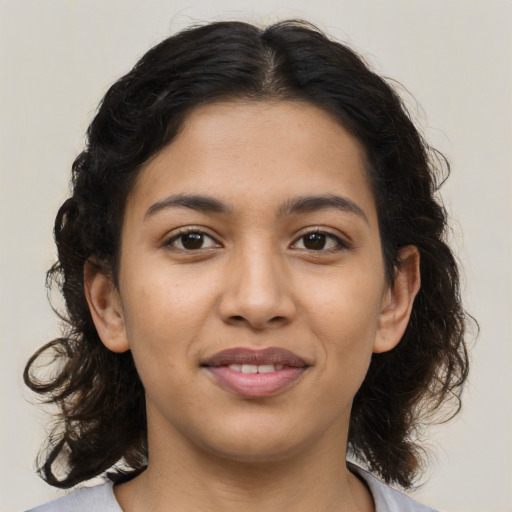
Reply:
x=200, y=203
x=305, y=204
x=321, y=202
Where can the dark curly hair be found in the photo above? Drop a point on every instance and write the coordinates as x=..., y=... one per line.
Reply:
x=102, y=422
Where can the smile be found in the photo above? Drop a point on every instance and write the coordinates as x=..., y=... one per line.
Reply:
x=255, y=373
x=255, y=368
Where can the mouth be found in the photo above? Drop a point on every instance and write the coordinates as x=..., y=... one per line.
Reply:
x=255, y=373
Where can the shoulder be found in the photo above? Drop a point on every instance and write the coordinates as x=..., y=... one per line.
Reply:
x=101, y=498
x=386, y=498
x=88, y=499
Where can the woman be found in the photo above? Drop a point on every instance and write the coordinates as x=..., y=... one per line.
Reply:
x=257, y=284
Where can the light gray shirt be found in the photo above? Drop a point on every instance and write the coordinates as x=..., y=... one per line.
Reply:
x=101, y=498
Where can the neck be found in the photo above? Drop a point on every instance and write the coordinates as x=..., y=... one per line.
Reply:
x=186, y=478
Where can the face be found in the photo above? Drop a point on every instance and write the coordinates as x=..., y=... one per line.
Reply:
x=251, y=286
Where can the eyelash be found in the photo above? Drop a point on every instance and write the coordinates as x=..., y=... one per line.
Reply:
x=188, y=231
x=339, y=243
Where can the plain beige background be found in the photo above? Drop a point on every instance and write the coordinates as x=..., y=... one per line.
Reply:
x=455, y=56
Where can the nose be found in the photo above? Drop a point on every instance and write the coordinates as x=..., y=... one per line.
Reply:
x=256, y=292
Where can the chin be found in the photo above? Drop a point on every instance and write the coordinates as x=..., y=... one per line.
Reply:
x=256, y=452
x=255, y=441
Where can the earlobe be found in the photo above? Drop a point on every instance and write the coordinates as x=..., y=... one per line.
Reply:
x=105, y=307
x=398, y=301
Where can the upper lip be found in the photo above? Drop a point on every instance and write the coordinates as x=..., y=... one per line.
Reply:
x=240, y=355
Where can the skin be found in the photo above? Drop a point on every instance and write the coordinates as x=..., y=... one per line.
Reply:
x=255, y=282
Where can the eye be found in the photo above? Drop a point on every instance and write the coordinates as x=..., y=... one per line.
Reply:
x=319, y=241
x=191, y=240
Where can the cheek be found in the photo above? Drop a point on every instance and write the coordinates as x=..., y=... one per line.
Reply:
x=344, y=315
x=165, y=309
x=159, y=327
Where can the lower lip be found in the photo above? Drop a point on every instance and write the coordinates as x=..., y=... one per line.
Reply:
x=255, y=385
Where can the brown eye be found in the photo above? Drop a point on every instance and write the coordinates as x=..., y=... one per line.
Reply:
x=192, y=241
x=319, y=241
x=314, y=241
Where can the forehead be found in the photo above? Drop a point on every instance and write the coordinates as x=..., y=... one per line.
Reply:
x=246, y=151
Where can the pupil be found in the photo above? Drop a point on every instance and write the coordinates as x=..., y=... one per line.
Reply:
x=192, y=241
x=314, y=241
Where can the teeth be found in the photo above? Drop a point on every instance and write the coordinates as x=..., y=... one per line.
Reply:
x=266, y=368
x=253, y=368
x=249, y=368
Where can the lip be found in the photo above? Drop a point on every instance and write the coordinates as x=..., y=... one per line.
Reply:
x=255, y=385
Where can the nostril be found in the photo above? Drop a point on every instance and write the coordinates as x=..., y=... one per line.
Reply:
x=278, y=319
x=274, y=321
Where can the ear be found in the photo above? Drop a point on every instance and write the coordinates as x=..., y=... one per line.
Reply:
x=398, y=300
x=105, y=306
